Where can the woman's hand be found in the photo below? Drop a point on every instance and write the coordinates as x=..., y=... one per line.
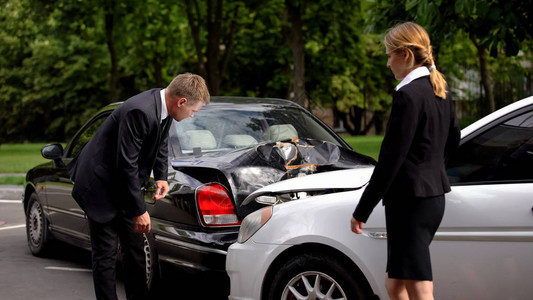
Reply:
x=357, y=226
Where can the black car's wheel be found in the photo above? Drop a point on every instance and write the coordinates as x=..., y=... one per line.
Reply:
x=152, y=266
x=314, y=276
x=36, y=227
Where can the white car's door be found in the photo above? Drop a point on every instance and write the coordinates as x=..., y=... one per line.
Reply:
x=484, y=247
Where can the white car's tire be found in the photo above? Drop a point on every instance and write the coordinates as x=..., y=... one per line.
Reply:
x=314, y=276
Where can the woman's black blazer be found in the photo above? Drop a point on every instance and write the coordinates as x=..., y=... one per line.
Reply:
x=421, y=131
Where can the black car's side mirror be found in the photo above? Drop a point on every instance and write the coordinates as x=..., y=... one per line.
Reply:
x=53, y=152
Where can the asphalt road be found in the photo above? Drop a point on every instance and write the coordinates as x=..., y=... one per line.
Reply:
x=64, y=274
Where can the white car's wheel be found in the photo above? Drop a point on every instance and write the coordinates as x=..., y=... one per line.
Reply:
x=314, y=276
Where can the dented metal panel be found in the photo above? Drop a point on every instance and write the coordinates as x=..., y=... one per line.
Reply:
x=250, y=169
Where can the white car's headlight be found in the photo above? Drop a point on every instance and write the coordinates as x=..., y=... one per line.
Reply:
x=251, y=224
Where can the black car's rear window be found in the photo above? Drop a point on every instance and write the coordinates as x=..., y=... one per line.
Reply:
x=222, y=127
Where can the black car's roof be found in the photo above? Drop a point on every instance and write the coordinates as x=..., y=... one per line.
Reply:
x=230, y=100
x=251, y=100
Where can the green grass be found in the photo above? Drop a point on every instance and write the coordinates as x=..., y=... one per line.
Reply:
x=368, y=145
x=18, y=159
x=12, y=180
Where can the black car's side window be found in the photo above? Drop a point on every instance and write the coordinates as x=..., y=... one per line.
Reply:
x=85, y=136
x=503, y=153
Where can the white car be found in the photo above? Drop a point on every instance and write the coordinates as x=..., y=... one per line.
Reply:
x=304, y=249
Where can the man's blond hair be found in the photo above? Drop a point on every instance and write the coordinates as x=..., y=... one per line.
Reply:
x=189, y=86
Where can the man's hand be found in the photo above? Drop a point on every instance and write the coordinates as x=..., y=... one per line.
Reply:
x=161, y=191
x=142, y=223
x=357, y=226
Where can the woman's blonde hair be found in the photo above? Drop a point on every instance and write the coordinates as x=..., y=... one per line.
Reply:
x=414, y=38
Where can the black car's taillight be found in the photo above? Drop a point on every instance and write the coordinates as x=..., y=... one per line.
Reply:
x=215, y=206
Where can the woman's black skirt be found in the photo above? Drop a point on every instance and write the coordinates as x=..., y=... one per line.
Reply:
x=411, y=226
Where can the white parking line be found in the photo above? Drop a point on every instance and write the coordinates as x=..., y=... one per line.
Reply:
x=13, y=227
x=10, y=201
x=68, y=269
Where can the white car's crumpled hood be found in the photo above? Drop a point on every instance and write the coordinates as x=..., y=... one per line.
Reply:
x=350, y=179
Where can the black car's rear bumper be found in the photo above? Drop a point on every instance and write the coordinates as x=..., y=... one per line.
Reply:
x=190, y=250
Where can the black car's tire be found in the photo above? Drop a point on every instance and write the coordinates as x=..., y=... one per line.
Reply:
x=304, y=270
x=152, y=265
x=36, y=227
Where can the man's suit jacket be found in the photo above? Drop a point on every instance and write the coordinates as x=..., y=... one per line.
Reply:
x=421, y=131
x=110, y=170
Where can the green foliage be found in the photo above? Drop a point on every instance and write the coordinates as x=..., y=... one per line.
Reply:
x=346, y=66
x=455, y=26
x=57, y=72
x=155, y=43
x=62, y=60
x=259, y=62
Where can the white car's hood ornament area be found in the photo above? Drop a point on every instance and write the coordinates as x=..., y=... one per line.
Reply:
x=299, y=187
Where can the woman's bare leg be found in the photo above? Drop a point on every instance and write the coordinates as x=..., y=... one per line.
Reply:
x=396, y=288
x=399, y=289
x=419, y=290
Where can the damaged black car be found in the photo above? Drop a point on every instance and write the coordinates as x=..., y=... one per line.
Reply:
x=232, y=147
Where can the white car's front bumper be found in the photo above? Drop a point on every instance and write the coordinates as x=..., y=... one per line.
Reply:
x=247, y=278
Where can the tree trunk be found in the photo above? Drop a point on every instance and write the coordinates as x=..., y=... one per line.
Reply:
x=209, y=65
x=487, y=104
x=109, y=27
x=193, y=16
x=214, y=26
x=158, y=72
x=296, y=41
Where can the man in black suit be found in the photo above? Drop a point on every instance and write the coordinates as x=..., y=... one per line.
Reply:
x=111, y=169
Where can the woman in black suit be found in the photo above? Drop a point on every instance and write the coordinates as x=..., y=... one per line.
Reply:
x=410, y=175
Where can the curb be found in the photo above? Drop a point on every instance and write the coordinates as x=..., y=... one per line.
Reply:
x=11, y=192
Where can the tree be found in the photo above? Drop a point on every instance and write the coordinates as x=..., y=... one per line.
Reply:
x=260, y=62
x=17, y=32
x=157, y=44
x=52, y=71
x=496, y=27
x=294, y=33
x=62, y=60
x=221, y=25
x=110, y=14
x=346, y=68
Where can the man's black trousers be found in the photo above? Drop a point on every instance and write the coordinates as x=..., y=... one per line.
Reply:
x=104, y=240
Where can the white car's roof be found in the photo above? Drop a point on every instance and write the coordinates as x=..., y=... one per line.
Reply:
x=495, y=115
